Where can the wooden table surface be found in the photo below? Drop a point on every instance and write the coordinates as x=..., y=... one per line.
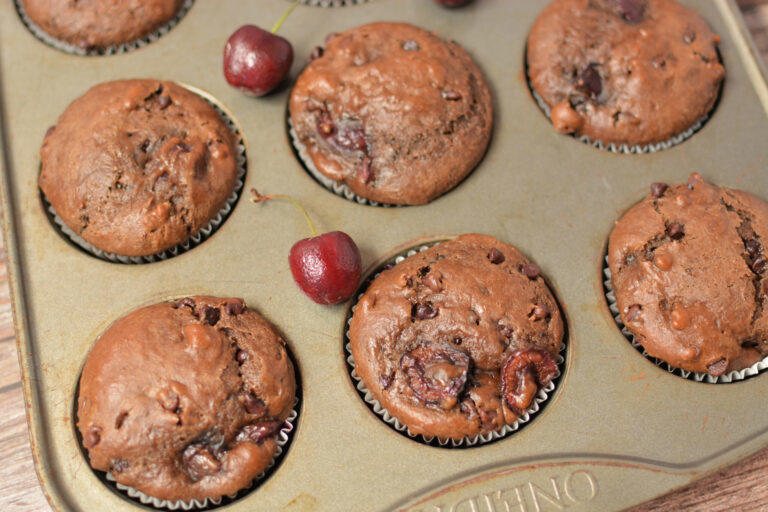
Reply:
x=740, y=487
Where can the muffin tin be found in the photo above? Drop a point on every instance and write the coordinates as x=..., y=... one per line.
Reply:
x=614, y=417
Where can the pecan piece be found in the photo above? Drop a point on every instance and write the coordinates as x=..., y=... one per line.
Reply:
x=436, y=374
x=523, y=373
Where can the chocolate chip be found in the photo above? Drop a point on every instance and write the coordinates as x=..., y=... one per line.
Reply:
x=92, y=436
x=254, y=404
x=531, y=270
x=675, y=231
x=505, y=331
x=631, y=10
x=209, y=314
x=496, y=256
x=316, y=53
x=749, y=343
x=633, y=311
x=424, y=270
x=164, y=101
x=199, y=462
x=717, y=368
x=386, y=380
x=451, y=95
x=235, y=306
x=538, y=313
x=689, y=35
x=424, y=311
x=658, y=189
x=411, y=46
x=186, y=301
x=331, y=35
x=119, y=465
x=241, y=356
x=759, y=265
x=589, y=82
x=752, y=246
x=457, y=341
x=50, y=130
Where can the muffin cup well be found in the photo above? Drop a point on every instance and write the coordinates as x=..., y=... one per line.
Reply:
x=374, y=405
x=72, y=49
x=194, y=240
x=733, y=376
x=624, y=148
x=338, y=188
x=283, y=438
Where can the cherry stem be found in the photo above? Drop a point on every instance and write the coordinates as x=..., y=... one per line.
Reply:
x=284, y=17
x=258, y=198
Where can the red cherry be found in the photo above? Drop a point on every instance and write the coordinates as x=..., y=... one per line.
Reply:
x=327, y=267
x=256, y=61
x=453, y=3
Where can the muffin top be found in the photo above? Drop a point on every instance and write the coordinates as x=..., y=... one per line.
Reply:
x=624, y=71
x=184, y=400
x=138, y=166
x=457, y=340
x=394, y=112
x=688, y=269
x=94, y=24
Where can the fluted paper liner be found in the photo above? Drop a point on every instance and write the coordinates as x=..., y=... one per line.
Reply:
x=542, y=395
x=733, y=376
x=283, y=436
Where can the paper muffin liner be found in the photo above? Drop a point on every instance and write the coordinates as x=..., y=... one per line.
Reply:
x=283, y=438
x=733, y=376
x=542, y=395
x=116, y=49
x=194, y=240
x=625, y=148
x=338, y=188
x=333, y=3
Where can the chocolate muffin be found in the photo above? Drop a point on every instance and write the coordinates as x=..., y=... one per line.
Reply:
x=392, y=111
x=184, y=400
x=96, y=24
x=632, y=72
x=688, y=270
x=457, y=340
x=135, y=167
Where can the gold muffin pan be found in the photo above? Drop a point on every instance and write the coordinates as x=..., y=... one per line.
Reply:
x=614, y=416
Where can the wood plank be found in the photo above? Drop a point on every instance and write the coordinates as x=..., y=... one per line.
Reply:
x=19, y=488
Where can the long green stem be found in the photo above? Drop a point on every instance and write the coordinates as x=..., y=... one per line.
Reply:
x=284, y=17
x=258, y=198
